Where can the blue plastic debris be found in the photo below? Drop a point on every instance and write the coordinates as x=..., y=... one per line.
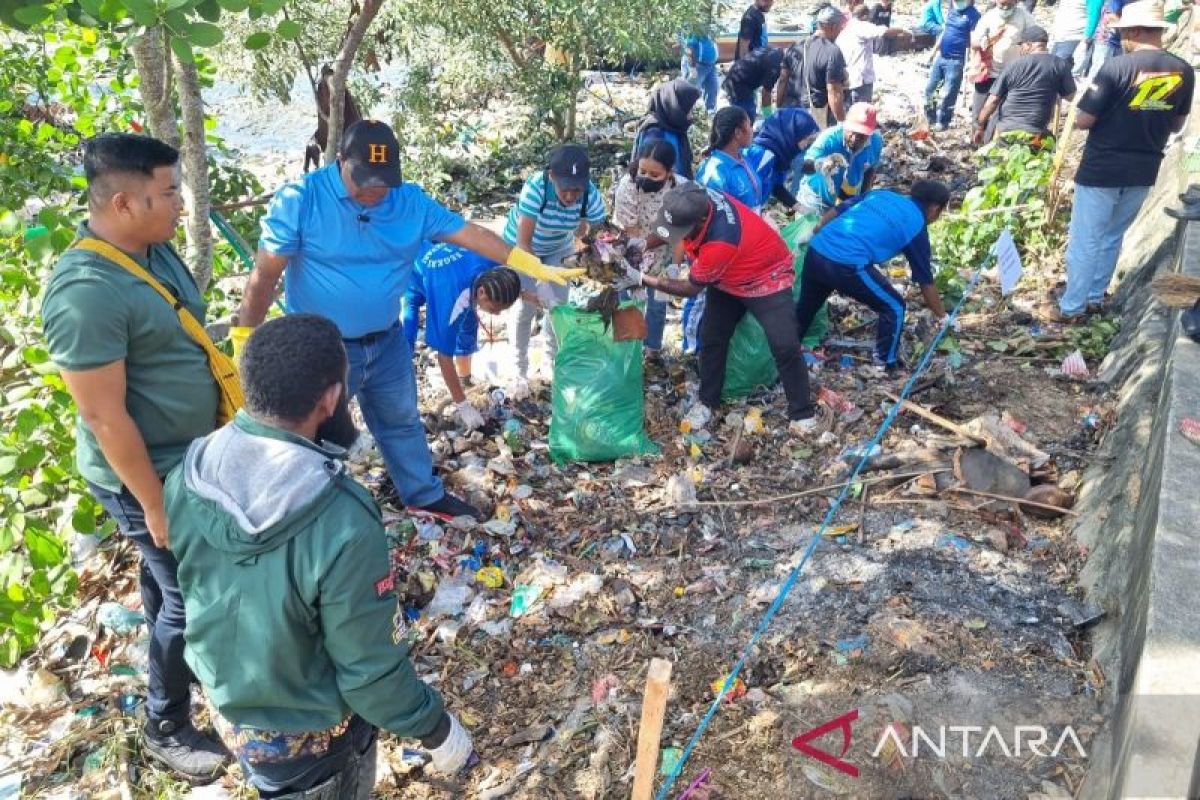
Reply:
x=855, y=643
x=954, y=541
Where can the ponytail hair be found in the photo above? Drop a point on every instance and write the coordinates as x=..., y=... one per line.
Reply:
x=724, y=125
x=659, y=150
x=501, y=285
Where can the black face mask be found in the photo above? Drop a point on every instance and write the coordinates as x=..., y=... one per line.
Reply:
x=339, y=429
x=646, y=184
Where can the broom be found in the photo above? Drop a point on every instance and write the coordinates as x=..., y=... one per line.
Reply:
x=1175, y=290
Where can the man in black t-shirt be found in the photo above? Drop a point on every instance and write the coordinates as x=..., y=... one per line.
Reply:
x=814, y=74
x=1135, y=103
x=1028, y=90
x=752, y=33
x=750, y=74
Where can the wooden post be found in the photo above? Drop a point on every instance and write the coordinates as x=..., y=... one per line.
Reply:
x=654, y=706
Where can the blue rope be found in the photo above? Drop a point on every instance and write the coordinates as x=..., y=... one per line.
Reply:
x=790, y=583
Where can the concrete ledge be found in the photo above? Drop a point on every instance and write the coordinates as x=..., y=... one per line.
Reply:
x=1141, y=520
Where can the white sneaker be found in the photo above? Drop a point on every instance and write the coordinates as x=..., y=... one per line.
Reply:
x=698, y=416
x=803, y=427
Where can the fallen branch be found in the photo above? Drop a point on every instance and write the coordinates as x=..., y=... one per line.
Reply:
x=805, y=493
x=1019, y=500
x=936, y=419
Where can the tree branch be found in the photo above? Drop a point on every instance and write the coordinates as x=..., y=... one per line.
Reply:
x=195, y=169
x=341, y=70
x=154, y=85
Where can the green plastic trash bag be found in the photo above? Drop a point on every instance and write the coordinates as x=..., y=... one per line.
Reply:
x=750, y=365
x=790, y=233
x=597, y=399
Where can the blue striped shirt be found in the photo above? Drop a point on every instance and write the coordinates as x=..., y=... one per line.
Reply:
x=556, y=223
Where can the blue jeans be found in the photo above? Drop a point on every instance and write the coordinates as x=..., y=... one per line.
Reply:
x=947, y=73
x=1101, y=52
x=1065, y=50
x=749, y=105
x=706, y=79
x=1099, y=218
x=382, y=378
x=345, y=772
x=168, y=695
x=656, y=320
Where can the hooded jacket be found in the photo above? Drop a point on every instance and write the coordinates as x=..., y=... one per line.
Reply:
x=775, y=148
x=670, y=104
x=292, y=619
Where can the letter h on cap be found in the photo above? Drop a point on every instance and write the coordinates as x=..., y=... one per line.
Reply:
x=377, y=153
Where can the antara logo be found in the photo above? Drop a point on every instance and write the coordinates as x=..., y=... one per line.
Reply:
x=1027, y=740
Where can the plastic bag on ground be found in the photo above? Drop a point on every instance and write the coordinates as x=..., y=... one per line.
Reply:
x=598, y=395
x=750, y=364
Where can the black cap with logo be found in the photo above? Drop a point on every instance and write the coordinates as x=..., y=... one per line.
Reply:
x=373, y=154
x=683, y=208
x=569, y=166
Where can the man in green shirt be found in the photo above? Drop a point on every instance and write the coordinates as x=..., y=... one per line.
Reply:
x=294, y=627
x=144, y=392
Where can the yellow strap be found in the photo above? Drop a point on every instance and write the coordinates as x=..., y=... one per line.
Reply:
x=222, y=368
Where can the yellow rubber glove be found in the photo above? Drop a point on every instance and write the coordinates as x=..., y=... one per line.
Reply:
x=237, y=337
x=528, y=264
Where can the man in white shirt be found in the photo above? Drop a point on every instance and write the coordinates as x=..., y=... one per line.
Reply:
x=993, y=44
x=857, y=43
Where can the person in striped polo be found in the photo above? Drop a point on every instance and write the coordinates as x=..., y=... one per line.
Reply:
x=555, y=206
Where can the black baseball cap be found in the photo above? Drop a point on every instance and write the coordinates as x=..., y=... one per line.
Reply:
x=569, y=166
x=373, y=154
x=684, y=207
x=1034, y=33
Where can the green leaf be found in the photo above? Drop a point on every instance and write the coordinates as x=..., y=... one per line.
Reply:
x=40, y=583
x=10, y=223
x=142, y=11
x=269, y=7
x=209, y=10
x=204, y=34
x=182, y=50
x=45, y=549
x=289, y=29
x=234, y=5
x=257, y=41
x=10, y=650
x=32, y=15
x=83, y=520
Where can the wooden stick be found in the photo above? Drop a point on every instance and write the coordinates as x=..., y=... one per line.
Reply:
x=805, y=493
x=936, y=419
x=654, y=707
x=1020, y=500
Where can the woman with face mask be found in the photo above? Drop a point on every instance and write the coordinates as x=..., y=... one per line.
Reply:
x=635, y=206
x=670, y=117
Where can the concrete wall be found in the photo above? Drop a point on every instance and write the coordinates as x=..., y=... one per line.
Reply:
x=1139, y=502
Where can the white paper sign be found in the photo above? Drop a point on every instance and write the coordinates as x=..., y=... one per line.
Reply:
x=1008, y=261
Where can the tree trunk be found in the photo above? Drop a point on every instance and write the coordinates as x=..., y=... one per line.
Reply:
x=154, y=85
x=195, y=170
x=341, y=70
x=569, y=133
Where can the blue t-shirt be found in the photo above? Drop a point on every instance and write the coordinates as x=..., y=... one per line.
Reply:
x=846, y=182
x=722, y=172
x=876, y=227
x=347, y=261
x=441, y=281
x=931, y=15
x=705, y=49
x=957, y=35
x=554, y=233
x=1113, y=37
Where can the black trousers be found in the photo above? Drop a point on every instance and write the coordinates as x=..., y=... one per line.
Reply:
x=822, y=277
x=722, y=312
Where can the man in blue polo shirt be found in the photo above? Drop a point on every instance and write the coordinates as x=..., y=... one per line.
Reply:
x=451, y=282
x=853, y=238
x=348, y=234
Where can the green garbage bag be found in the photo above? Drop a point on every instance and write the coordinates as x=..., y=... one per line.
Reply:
x=597, y=398
x=750, y=364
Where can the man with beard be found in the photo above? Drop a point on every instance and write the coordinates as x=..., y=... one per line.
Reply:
x=294, y=628
x=144, y=391
x=348, y=235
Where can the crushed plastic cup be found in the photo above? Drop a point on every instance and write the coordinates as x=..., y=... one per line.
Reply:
x=524, y=598
x=119, y=619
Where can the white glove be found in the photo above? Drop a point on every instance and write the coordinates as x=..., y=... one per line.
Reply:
x=633, y=277
x=547, y=299
x=468, y=415
x=452, y=755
